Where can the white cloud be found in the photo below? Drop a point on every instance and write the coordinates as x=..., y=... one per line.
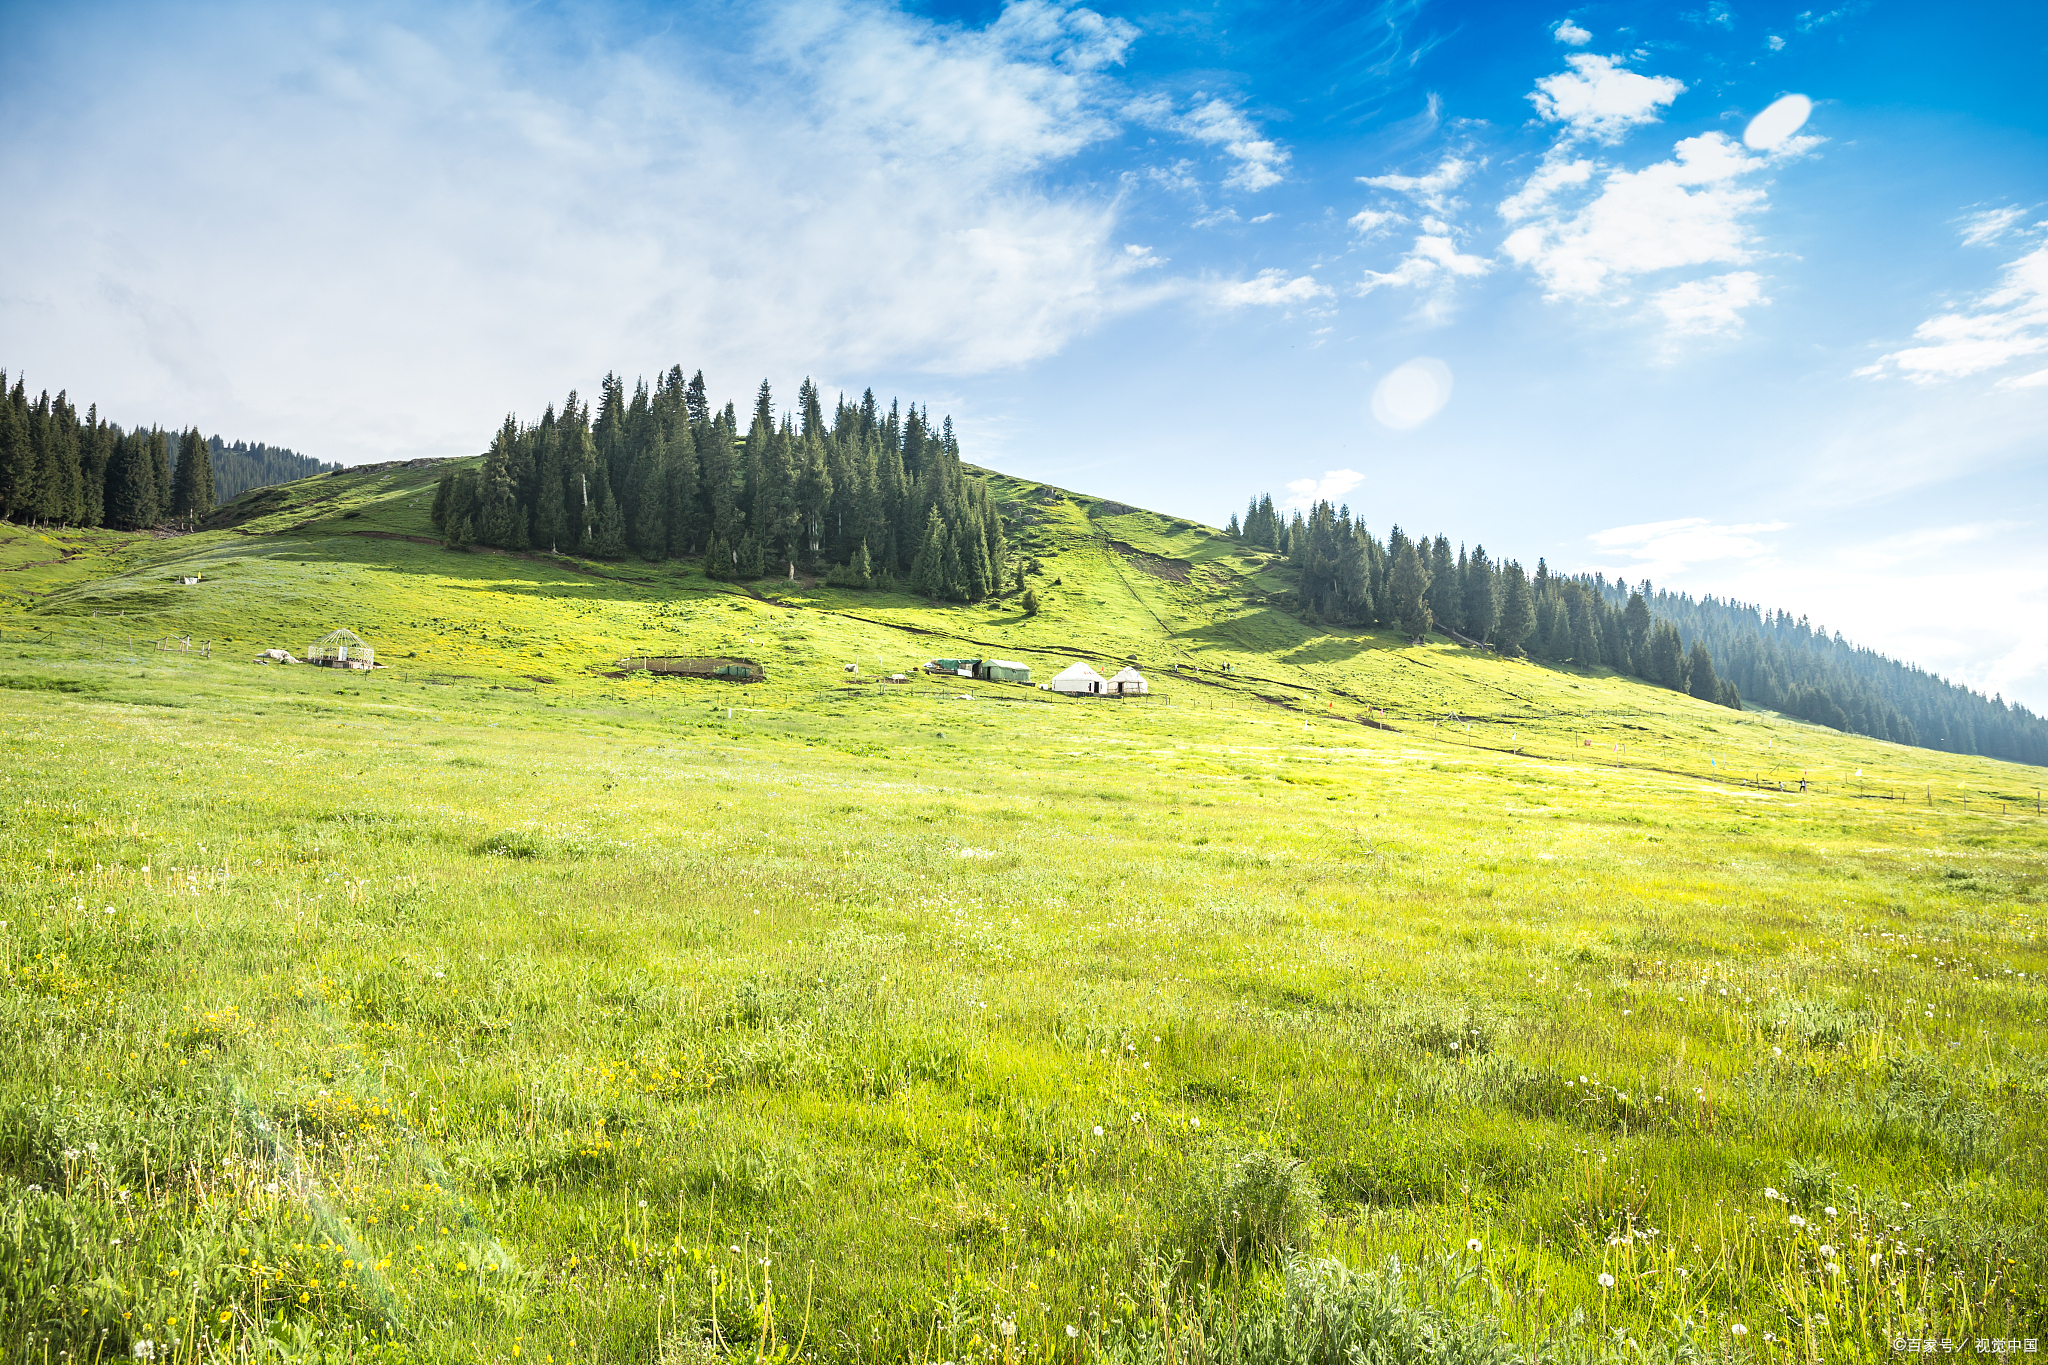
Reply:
x=1432, y=191
x=1712, y=306
x=2004, y=325
x=1551, y=175
x=1775, y=43
x=2037, y=380
x=1691, y=210
x=1373, y=222
x=1432, y=260
x=1598, y=98
x=1570, y=34
x=1261, y=161
x=1985, y=227
x=466, y=210
x=1268, y=288
x=1662, y=548
x=1332, y=487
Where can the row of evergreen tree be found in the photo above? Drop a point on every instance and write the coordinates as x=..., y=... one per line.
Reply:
x=242, y=466
x=864, y=496
x=1788, y=664
x=1351, y=577
x=1715, y=650
x=60, y=469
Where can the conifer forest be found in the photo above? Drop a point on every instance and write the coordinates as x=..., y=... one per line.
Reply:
x=865, y=496
x=60, y=469
x=1718, y=651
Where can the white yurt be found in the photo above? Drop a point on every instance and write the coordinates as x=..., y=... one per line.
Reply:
x=1128, y=682
x=1080, y=680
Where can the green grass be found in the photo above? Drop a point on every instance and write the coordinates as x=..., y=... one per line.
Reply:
x=480, y=1007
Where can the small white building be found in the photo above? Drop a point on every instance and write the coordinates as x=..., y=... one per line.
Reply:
x=1128, y=682
x=1080, y=680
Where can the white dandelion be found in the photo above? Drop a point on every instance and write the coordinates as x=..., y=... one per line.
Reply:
x=1606, y=1280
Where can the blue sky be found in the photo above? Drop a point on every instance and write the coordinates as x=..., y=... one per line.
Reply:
x=1527, y=275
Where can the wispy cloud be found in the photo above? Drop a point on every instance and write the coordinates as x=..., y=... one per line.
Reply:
x=1268, y=288
x=1570, y=34
x=1660, y=548
x=1261, y=161
x=1909, y=547
x=1988, y=225
x=1710, y=307
x=469, y=207
x=1369, y=223
x=2003, y=325
x=1432, y=260
x=1432, y=191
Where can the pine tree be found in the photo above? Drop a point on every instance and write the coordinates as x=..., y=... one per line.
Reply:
x=1446, y=596
x=1666, y=660
x=131, y=497
x=187, y=488
x=952, y=569
x=1233, y=530
x=1410, y=585
x=1482, y=596
x=160, y=473
x=1636, y=621
x=684, y=522
x=1585, y=641
x=1517, y=611
x=753, y=557
x=609, y=539
x=17, y=458
x=650, y=497
x=720, y=465
x=1699, y=674
x=927, y=571
x=551, y=524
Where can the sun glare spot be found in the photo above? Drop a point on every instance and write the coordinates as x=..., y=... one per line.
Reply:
x=1411, y=394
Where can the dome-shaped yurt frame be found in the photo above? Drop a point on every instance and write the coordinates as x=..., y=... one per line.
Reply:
x=341, y=649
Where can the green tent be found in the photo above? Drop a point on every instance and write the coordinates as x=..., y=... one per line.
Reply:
x=1003, y=670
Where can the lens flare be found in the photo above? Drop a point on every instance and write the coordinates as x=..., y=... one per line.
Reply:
x=1411, y=394
x=1783, y=118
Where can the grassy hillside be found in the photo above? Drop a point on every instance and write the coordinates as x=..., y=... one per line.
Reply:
x=501, y=1005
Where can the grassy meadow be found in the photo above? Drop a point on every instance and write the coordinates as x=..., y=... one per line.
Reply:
x=1339, y=1001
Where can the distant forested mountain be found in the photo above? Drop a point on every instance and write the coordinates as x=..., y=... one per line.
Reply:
x=240, y=467
x=1790, y=665
x=62, y=469
x=1718, y=651
x=862, y=496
